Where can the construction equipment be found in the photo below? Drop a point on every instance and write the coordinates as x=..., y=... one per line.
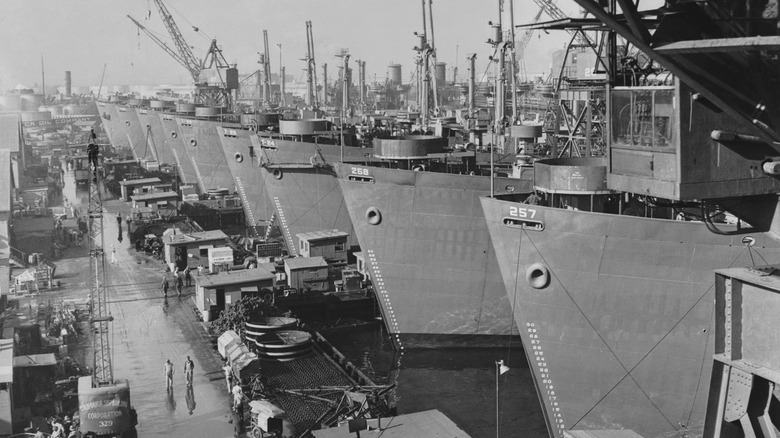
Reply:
x=104, y=402
x=213, y=89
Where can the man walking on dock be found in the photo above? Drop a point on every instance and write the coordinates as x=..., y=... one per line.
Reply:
x=179, y=284
x=168, y=371
x=189, y=366
x=165, y=286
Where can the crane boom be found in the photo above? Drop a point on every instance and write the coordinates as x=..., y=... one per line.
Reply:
x=162, y=44
x=190, y=61
x=552, y=9
x=523, y=43
x=103, y=372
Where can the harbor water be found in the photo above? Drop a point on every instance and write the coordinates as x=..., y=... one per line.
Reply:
x=461, y=383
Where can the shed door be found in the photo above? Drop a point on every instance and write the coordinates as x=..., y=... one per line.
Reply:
x=181, y=257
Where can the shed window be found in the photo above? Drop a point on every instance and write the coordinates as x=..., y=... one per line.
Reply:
x=204, y=252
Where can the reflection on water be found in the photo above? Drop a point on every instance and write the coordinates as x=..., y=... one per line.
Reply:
x=461, y=383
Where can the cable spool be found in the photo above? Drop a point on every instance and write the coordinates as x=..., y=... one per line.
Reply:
x=277, y=173
x=538, y=276
x=193, y=142
x=239, y=158
x=174, y=134
x=373, y=216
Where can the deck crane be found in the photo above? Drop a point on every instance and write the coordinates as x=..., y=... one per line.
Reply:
x=554, y=12
x=213, y=91
x=104, y=402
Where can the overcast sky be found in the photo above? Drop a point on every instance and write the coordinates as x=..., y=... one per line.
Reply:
x=83, y=35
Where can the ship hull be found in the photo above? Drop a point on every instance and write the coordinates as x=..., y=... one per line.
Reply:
x=204, y=150
x=154, y=145
x=430, y=257
x=130, y=129
x=173, y=143
x=618, y=333
x=111, y=124
x=248, y=177
x=303, y=188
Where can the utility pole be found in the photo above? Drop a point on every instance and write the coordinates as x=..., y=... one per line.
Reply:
x=325, y=84
x=281, y=75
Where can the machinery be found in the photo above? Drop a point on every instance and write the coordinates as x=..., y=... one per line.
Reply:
x=104, y=402
x=214, y=78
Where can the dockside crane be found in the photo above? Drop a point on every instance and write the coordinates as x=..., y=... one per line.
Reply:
x=213, y=91
x=104, y=402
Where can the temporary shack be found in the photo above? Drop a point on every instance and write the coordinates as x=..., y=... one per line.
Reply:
x=227, y=340
x=245, y=365
x=307, y=274
x=263, y=410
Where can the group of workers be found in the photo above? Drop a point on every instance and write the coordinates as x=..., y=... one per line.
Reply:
x=169, y=371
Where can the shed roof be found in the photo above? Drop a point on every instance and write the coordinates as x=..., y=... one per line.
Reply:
x=185, y=238
x=138, y=182
x=305, y=262
x=155, y=196
x=35, y=360
x=321, y=235
x=242, y=276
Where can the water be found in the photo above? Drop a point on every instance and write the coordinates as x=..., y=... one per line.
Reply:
x=461, y=383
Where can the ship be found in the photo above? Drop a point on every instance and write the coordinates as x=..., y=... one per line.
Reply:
x=424, y=242
x=204, y=149
x=609, y=266
x=296, y=168
x=249, y=181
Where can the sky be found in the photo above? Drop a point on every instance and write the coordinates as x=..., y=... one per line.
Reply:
x=83, y=36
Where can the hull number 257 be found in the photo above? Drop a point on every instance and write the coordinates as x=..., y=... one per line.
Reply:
x=521, y=212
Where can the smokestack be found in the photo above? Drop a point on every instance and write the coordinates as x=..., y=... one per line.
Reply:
x=67, y=84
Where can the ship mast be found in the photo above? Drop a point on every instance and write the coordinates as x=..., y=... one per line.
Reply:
x=266, y=71
x=513, y=60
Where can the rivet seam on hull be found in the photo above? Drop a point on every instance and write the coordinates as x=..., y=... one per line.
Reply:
x=384, y=298
x=283, y=222
x=546, y=381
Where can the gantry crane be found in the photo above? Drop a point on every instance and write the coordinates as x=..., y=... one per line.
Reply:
x=104, y=402
x=214, y=94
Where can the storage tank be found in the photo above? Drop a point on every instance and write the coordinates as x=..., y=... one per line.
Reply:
x=187, y=108
x=410, y=146
x=31, y=102
x=394, y=74
x=441, y=73
x=10, y=102
x=67, y=84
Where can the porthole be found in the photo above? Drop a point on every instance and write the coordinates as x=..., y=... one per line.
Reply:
x=277, y=173
x=239, y=158
x=193, y=142
x=538, y=276
x=373, y=216
x=127, y=122
x=174, y=134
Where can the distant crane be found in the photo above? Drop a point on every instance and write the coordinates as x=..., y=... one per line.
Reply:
x=214, y=94
x=552, y=10
x=104, y=403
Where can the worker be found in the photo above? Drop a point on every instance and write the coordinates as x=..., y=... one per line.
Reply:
x=228, y=375
x=179, y=284
x=168, y=371
x=188, y=276
x=189, y=366
x=113, y=255
x=238, y=395
x=165, y=286
x=92, y=153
